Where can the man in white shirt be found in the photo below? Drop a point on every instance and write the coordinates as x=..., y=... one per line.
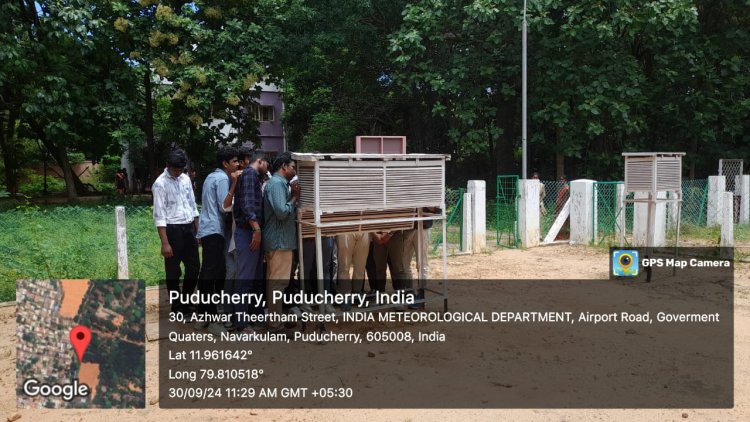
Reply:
x=176, y=219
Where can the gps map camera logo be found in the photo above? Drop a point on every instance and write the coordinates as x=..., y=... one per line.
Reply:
x=625, y=263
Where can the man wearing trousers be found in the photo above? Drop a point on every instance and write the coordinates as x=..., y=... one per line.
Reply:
x=248, y=215
x=280, y=240
x=388, y=251
x=211, y=232
x=353, y=251
x=176, y=220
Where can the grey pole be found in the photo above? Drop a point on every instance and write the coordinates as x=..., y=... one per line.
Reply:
x=523, y=91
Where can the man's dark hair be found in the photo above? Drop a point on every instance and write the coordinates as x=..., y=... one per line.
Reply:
x=177, y=158
x=258, y=155
x=244, y=152
x=225, y=154
x=281, y=160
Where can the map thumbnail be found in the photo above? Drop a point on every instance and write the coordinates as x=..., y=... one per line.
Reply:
x=111, y=369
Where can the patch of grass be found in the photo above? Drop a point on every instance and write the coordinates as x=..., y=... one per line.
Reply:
x=700, y=232
x=74, y=242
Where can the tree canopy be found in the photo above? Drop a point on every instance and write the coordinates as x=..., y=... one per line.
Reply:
x=105, y=77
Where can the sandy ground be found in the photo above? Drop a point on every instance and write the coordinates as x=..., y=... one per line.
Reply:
x=543, y=263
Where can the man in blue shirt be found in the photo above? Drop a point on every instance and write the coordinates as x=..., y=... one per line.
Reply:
x=280, y=230
x=212, y=228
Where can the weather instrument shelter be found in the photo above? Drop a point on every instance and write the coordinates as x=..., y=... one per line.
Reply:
x=650, y=173
x=349, y=193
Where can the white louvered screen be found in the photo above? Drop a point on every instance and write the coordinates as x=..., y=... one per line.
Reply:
x=653, y=171
x=367, y=192
x=668, y=173
x=639, y=174
x=413, y=186
x=351, y=188
x=306, y=176
x=372, y=184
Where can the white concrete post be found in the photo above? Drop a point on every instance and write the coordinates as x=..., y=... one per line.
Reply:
x=121, y=239
x=468, y=238
x=727, y=222
x=745, y=199
x=581, y=211
x=672, y=212
x=620, y=210
x=640, y=221
x=528, y=212
x=716, y=187
x=595, y=211
x=478, y=191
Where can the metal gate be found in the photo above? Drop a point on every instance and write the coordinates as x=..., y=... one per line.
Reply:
x=506, y=212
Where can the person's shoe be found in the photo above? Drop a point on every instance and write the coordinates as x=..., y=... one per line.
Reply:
x=306, y=308
x=229, y=325
x=330, y=309
x=296, y=311
x=200, y=325
x=216, y=329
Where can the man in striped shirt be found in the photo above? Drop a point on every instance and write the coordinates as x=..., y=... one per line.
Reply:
x=176, y=219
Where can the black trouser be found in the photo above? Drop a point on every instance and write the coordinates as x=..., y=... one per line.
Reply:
x=181, y=238
x=213, y=270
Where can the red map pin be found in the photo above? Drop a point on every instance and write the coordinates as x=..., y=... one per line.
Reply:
x=80, y=337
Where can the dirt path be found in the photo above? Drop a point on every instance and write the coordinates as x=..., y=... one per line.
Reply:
x=545, y=262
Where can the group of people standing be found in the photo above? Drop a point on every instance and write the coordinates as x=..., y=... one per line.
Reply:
x=248, y=234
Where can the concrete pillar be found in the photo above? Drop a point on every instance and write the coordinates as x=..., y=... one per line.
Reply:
x=672, y=212
x=716, y=187
x=581, y=211
x=595, y=215
x=478, y=191
x=744, y=199
x=727, y=224
x=640, y=221
x=468, y=226
x=620, y=210
x=121, y=238
x=528, y=212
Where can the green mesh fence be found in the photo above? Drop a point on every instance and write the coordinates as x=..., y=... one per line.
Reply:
x=694, y=200
x=552, y=197
x=506, y=212
x=74, y=242
x=454, y=224
x=608, y=212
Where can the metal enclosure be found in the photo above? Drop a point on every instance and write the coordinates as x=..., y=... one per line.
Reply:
x=651, y=173
x=344, y=193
